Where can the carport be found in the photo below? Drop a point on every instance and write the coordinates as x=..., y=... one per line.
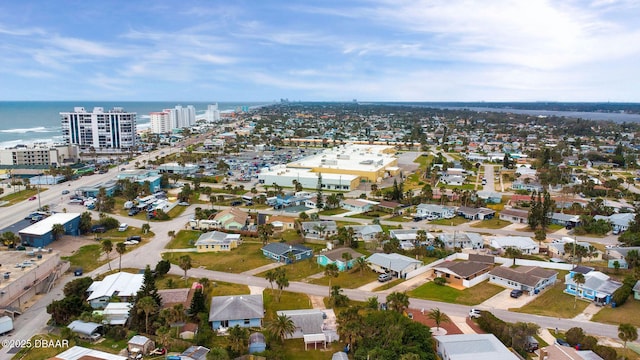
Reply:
x=315, y=339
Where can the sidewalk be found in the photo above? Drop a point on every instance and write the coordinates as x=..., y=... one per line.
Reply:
x=263, y=268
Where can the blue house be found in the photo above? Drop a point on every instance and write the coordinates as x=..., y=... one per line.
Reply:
x=93, y=191
x=152, y=177
x=335, y=256
x=40, y=234
x=243, y=310
x=597, y=287
x=286, y=253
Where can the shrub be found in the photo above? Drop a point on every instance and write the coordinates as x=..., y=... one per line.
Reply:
x=440, y=281
x=117, y=333
x=163, y=267
x=621, y=295
x=605, y=352
x=574, y=336
x=588, y=343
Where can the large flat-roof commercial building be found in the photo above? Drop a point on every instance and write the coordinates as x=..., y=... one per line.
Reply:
x=99, y=129
x=40, y=234
x=342, y=168
x=47, y=155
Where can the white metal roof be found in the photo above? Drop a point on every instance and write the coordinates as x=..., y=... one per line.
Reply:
x=44, y=226
x=79, y=352
x=124, y=283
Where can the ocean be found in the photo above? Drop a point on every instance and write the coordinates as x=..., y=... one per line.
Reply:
x=28, y=122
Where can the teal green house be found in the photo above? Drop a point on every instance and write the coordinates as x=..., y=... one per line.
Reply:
x=335, y=256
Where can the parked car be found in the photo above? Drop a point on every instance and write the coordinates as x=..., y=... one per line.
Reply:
x=183, y=203
x=562, y=342
x=474, y=313
x=134, y=238
x=78, y=272
x=516, y=293
x=32, y=198
x=123, y=227
x=65, y=192
x=133, y=211
x=384, y=277
x=531, y=344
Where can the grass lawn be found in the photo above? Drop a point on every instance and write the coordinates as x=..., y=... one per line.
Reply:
x=554, y=302
x=330, y=212
x=554, y=227
x=184, y=239
x=423, y=160
x=471, y=296
x=627, y=313
x=348, y=280
x=294, y=350
x=176, y=211
x=13, y=198
x=300, y=269
x=458, y=220
x=246, y=257
x=491, y=224
x=400, y=218
x=290, y=236
x=288, y=301
x=86, y=257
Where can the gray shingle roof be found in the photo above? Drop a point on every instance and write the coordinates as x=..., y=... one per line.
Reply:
x=236, y=307
x=527, y=275
x=464, y=268
x=284, y=248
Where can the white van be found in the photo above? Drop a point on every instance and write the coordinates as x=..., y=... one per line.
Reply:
x=123, y=227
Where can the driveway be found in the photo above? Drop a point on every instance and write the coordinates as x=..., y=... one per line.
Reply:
x=504, y=301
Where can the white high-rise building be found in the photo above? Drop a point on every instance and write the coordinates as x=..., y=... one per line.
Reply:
x=213, y=114
x=115, y=128
x=161, y=122
x=185, y=116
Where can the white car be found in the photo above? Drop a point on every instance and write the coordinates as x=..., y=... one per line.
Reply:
x=131, y=242
x=474, y=313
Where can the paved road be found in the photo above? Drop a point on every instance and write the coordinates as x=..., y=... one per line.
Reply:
x=488, y=174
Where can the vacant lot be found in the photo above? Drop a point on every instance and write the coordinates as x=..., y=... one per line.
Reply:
x=491, y=224
x=246, y=257
x=184, y=239
x=471, y=296
x=554, y=302
x=627, y=313
x=348, y=279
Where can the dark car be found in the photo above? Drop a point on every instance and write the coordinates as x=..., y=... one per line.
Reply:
x=98, y=229
x=65, y=192
x=135, y=238
x=516, y=293
x=133, y=211
x=562, y=342
x=78, y=272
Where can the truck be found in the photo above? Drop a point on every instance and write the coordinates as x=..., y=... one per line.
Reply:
x=6, y=324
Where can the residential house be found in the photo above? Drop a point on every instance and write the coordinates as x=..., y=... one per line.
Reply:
x=619, y=222
x=83, y=353
x=286, y=253
x=336, y=257
x=319, y=229
x=472, y=346
x=531, y=279
x=520, y=184
x=524, y=244
x=463, y=240
x=454, y=272
x=306, y=321
x=172, y=297
x=140, y=344
x=636, y=290
x=597, y=287
x=243, y=310
x=396, y=264
x=432, y=211
x=215, y=241
x=490, y=197
x=357, y=205
x=366, y=233
x=281, y=223
x=557, y=248
x=116, y=313
x=476, y=213
x=454, y=180
x=565, y=219
x=232, y=219
x=122, y=285
x=410, y=235
x=559, y=352
x=393, y=207
x=195, y=352
x=515, y=216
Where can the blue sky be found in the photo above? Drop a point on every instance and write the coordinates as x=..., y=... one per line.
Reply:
x=324, y=50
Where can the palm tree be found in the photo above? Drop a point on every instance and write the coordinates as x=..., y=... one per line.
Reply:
x=439, y=317
x=281, y=280
x=398, y=301
x=107, y=248
x=146, y=305
x=145, y=228
x=271, y=276
x=281, y=327
x=347, y=257
x=121, y=248
x=361, y=264
x=57, y=230
x=185, y=264
x=238, y=339
x=578, y=278
x=627, y=332
x=513, y=253
x=320, y=229
x=331, y=271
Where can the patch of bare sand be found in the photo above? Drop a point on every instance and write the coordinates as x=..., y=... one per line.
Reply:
x=67, y=244
x=317, y=302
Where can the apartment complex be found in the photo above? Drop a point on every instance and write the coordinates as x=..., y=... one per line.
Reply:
x=48, y=155
x=100, y=129
x=164, y=121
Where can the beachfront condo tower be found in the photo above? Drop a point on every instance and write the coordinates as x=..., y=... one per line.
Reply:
x=99, y=129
